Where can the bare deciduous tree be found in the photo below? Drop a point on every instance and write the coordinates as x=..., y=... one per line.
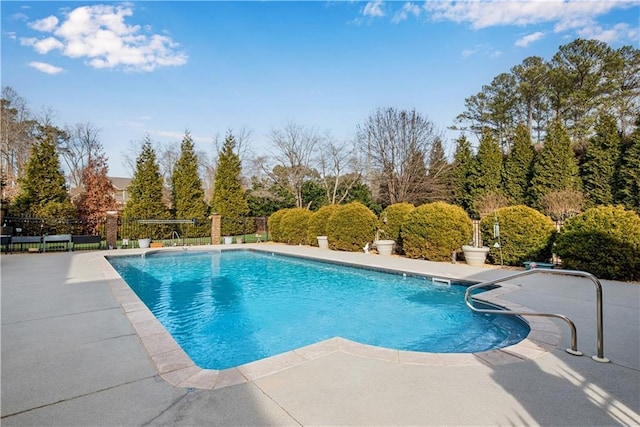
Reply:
x=294, y=147
x=82, y=145
x=490, y=202
x=16, y=138
x=396, y=143
x=562, y=204
x=338, y=164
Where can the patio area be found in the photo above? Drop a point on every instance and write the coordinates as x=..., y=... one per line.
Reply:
x=72, y=354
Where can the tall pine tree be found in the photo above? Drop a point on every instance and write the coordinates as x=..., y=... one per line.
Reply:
x=628, y=174
x=555, y=168
x=487, y=171
x=187, y=191
x=599, y=164
x=439, y=185
x=463, y=167
x=146, y=196
x=518, y=165
x=229, y=198
x=43, y=192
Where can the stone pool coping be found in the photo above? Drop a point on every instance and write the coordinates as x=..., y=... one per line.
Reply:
x=177, y=368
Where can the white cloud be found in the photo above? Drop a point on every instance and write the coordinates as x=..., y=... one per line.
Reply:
x=45, y=68
x=42, y=46
x=485, y=13
x=408, y=9
x=19, y=17
x=527, y=40
x=12, y=35
x=373, y=8
x=47, y=24
x=100, y=34
x=482, y=50
x=618, y=32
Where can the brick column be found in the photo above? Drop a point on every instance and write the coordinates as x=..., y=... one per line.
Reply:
x=112, y=229
x=215, y=228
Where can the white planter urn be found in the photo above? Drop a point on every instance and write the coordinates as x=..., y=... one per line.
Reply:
x=475, y=256
x=385, y=247
x=323, y=242
x=144, y=243
x=228, y=240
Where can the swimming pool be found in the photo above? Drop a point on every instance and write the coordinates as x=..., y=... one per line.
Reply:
x=233, y=307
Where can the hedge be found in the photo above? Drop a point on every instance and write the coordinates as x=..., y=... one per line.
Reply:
x=351, y=227
x=318, y=223
x=391, y=220
x=525, y=235
x=294, y=226
x=604, y=241
x=274, y=224
x=434, y=230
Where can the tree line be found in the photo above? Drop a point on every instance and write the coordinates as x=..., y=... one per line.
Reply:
x=556, y=135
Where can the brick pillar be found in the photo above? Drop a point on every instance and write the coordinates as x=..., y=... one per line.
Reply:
x=215, y=228
x=112, y=229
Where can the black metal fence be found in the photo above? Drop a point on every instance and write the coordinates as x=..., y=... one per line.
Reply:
x=31, y=234
x=21, y=234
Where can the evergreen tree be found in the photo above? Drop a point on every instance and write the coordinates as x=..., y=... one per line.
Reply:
x=229, y=199
x=598, y=168
x=516, y=175
x=628, y=174
x=439, y=178
x=43, y=192
x=555, y=168
x=146, y=196
x=187, y=192
x=97, y=197
x=463, y=167
x=487, y=170
x=417, y=185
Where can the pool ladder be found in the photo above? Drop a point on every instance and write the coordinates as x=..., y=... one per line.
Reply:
x=574, y=339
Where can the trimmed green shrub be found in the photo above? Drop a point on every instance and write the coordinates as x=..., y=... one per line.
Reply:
x=294, y=226
x=273, y=223
x=433, y=231
x=525, y=235
x=351, y=227
x=391, y=220
x=318, y=223
x=604, y=241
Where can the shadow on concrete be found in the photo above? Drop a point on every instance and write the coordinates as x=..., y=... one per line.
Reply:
x=580, y=390
x=71, y=357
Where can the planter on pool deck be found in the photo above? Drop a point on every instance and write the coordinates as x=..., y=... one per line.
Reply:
x=475, y=256
x=384, y=247
x=144, y=243
x=228, y=240
x=323, y=242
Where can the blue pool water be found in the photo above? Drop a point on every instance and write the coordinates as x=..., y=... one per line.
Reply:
x=230, y=308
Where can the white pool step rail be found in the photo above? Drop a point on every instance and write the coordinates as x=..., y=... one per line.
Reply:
x=599, y=357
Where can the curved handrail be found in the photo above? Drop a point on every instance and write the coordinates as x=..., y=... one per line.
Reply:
x=574, y=336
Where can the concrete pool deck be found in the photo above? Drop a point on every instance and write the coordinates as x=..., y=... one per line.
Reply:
x=78, y=349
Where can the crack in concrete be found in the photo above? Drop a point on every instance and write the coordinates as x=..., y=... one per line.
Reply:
x=37, y=319
x=46, y=405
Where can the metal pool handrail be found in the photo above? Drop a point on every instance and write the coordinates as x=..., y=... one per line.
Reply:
x=574, y=339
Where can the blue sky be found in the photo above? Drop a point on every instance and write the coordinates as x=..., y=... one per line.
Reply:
x=160, y=68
